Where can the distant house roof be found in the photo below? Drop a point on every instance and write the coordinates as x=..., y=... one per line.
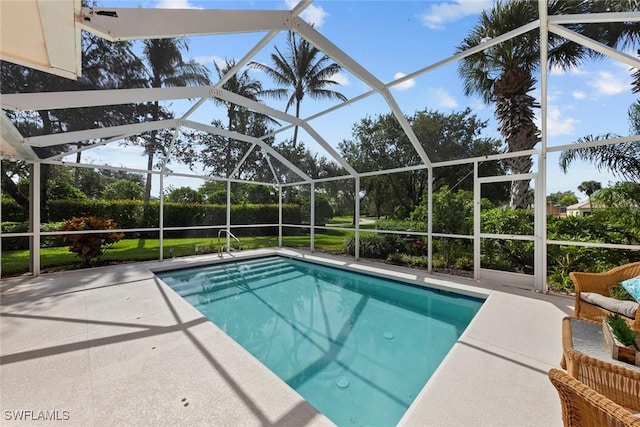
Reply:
x=583, y=205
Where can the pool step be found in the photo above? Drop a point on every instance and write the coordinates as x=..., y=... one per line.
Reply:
x=221, y=276
x=234, y=289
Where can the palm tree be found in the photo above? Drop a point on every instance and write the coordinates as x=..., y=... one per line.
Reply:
x=166, y=68
x=503, y=74
x=300, y=68
x=620, y=159
x=240, y=119
x=589, y=187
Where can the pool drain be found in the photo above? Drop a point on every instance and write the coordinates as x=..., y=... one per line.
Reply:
x=342, y=382
x=388, y=335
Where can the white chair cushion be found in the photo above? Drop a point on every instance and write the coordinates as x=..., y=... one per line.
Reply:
x=625, y=308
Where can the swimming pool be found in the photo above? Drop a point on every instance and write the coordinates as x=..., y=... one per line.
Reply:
x=357, y=347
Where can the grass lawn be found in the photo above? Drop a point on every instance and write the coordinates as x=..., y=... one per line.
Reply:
x=347, y=222
x=17, y=262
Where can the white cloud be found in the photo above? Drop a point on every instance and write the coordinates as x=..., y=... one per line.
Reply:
x=478, y=105
x=578, y=94
x=341, y=79
x=556, y=70
x=209, y=60
x=445, y=100
x=314, y=15
x=175, y=4
x=609, y=84
x=557, y=124
x=408, y=84
x=439, y=14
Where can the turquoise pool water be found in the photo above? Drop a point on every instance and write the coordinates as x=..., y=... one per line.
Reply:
x=356, y=347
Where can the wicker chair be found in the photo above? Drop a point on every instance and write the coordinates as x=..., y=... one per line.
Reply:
x=584, y=407
x=619, y=383
x=601, y=283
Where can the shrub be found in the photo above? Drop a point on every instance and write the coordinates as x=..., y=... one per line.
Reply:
x=90, y=246
x=376, y=245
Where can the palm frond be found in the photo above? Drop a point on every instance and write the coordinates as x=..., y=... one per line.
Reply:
x=622, y=159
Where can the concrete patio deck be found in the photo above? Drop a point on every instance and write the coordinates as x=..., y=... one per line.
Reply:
x=116, y=346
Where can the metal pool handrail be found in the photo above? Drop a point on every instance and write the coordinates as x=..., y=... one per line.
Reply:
x=225, y=246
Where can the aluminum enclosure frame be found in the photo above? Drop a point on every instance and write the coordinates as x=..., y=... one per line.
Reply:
x=129, y=24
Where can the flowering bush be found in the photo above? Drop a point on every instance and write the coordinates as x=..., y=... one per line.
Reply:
x=94, y=245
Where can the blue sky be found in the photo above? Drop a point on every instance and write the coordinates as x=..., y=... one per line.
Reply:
x=395, y=38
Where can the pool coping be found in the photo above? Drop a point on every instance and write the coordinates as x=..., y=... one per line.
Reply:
x=495, y=374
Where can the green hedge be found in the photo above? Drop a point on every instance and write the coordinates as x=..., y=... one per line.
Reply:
x=13, y=212
x=131, y=213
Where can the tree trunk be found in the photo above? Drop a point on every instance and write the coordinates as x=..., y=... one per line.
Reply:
x=10, y=187
x=45, y=170
x=520, y=189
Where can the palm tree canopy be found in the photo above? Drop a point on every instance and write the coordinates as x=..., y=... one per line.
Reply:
x=239, y=83
x=300, y=68
x=481, y=70
x=166, y=67
x=589, y=187
x=620, y=159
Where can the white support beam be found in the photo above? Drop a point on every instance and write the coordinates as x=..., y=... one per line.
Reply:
x=83, y=135
x=161, y=217
x=430, y=220
x=105, y=167
x=242, y=160
x=356, y=217
x=458, y=56
x=332, y=152
x=115, y=24
x=508, y=178
x=94, y=98
x=310, y=34
x=234, y=98
x=595, y=18
x=89, y=147
x=491, y=157
x=404, y=123
x=250, y=139
x=233, y=70
x=595, y=143
x=597, y=46
x=540, y=211
x=273, y=171
x=12, y=143
x=477, y=206
x=280, y=215
x=312, y=217
x=394, y=170
x=34, y=217
x=314, y=37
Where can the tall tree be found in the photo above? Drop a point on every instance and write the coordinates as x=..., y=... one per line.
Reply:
x=380, y=143
x=503, y=74
x=241, y=119
x=304, y=69
x=565, y=198
x=106, y=65
x=589, y=188
x=166, y=67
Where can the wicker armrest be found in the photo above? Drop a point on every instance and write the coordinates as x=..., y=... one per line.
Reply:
x=584, y=407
